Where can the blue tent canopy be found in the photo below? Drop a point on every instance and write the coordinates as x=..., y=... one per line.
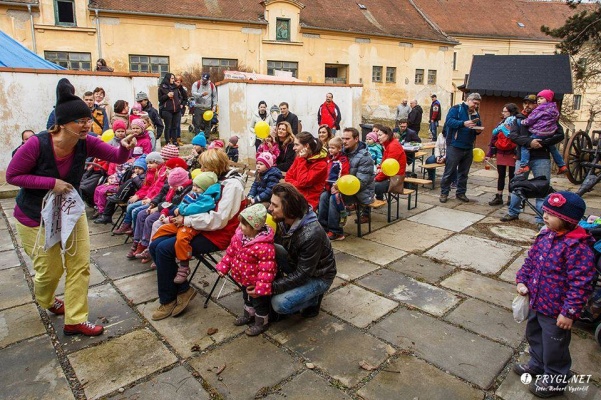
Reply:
x=14, y=55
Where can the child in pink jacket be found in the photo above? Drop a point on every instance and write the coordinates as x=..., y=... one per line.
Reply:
x=250, y=260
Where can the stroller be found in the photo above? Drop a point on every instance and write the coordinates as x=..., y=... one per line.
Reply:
x=539, y=187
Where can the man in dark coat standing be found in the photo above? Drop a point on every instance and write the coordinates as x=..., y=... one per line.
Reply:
x=414, y=119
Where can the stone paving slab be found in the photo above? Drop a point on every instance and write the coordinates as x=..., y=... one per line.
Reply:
x=139, y=288
x=190, y=328
x=6, y=243
x=104, y=241
x=105, y=368
x=451, y=220
x=416, y=380
x=368, y=250
x=107, y=308
x=514, y=233
x=409, y=236
x=475, y=253
x=445, y=345
x=30, y=370
x=349, y=267
x=176, y=384
x=251, y=364
x=586, y=356
x=115, y=265
x=20, y=323
x=409, y=291
x=308, y=386
x=510, y=272
x=10, y=259
x=330, y=345
x=357, y=306
x=13, y=288
x=204, y=279
x=421, y=268
x=481, y=287
x=488, y=320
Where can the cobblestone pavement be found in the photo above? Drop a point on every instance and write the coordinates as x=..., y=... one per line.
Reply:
x=421, y=308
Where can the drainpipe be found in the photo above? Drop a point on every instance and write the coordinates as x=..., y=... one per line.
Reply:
x=35, y=47
x=98, y=39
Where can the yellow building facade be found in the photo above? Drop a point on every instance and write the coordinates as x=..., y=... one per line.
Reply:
x=408, y=52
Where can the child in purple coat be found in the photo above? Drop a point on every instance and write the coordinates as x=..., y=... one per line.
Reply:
x=558, y=275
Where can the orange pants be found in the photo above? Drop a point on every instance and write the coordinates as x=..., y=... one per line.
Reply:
x=183, y=237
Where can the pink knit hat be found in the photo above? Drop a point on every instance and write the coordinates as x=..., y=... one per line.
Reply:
x=137, y=107
x=138, y=122
x=169, y=151
x=216, y=144
x=266, y=158
x=372, y=136
x=547, y=94
x=119, y=124
x=177, y=177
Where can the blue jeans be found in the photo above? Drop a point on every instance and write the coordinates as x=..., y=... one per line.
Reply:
x=432, y=160
x=433, y=129
x=300, y=297
x=136, y=211
x=539, y=167
x=130, y=209
x=329, y=216
x=162, y=251
x=458, y=162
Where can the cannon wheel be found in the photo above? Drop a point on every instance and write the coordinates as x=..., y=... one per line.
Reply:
x=574, y=156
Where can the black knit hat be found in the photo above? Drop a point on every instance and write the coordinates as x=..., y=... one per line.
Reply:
x=565, y=205
x=68, y=106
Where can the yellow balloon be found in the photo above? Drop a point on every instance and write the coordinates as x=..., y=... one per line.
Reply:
x=348, y=185
x=262, y=129
x=107, y=135
x=269, y=221
x=390, y=167
x=207, y=115
x=479, y=155
x=195, y=172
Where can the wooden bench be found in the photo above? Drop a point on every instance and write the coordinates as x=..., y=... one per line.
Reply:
x=358, y=209
x=416, y=182
x=426, y=167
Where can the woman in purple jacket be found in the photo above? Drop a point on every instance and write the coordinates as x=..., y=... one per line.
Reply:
x=54, y=160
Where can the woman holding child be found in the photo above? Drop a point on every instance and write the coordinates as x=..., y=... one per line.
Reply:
x=392, y=149
x=217, y=228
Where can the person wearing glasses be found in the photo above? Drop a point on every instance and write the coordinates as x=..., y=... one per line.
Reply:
x=54, y=160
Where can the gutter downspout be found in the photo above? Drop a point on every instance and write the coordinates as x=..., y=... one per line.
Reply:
x=98, y=39
x=35, y=47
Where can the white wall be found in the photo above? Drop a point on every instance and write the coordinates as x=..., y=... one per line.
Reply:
x=27, y=98
x=239, y=100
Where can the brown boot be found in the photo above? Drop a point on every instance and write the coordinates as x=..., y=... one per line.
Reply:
x=125, y=229
x=260, y=326
x=163, y=311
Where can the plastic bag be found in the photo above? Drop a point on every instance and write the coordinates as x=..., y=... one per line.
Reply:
x=520, y=306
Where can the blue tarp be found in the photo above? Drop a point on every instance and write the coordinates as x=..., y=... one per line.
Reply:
x=14, y=55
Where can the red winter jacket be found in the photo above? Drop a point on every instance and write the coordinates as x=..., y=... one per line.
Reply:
x=393, y=149
x=252, y=263
x=309, y=175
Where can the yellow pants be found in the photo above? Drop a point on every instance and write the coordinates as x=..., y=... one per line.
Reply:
x=48, y=266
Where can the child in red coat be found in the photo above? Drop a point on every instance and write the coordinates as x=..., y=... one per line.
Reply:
x=250, y=260
x=558, y=275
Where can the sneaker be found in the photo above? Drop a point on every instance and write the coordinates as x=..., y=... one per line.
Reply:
x=183, y=299
x=562, y=170
x=85, y=328
x=124, y=229
x=164, y=311
x=58, y=307
x=443, y=198
x=103, y=219
x=334, y=236
x=522, y=170
x=462, y=197
x=509, y=217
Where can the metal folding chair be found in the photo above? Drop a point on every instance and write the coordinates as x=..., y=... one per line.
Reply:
x=209, y=261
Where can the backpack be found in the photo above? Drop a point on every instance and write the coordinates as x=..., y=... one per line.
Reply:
x=213, y=87
x=504, y=143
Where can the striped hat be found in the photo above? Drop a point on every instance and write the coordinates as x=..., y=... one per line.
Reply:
x=169, y=151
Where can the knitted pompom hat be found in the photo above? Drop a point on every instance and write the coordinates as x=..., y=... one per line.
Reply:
x=547, y=94
x=139, y=123
x=177, y=177
x=267, y=159
x=199, y=140
x=137, y=107
x=68, y=106
x=255, y=215
x=169, y=151
x=565, y=205
x=176, y=162
x=119, y=124
x=205, y=179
